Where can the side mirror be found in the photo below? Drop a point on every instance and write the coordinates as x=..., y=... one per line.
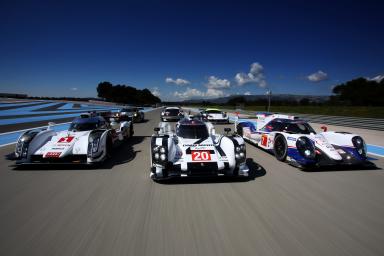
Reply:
x=227, y=130
x=324, y=128
x=156, y=129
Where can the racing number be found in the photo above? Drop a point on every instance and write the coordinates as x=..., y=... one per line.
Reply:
x=264, y=140
x=201, y=156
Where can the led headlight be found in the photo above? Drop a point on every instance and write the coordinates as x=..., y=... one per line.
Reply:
x=162, y=150
x=238, y=149
x=95, y=145
x=305, y=147
x=359, y=144
x=155, y=149
x=163, y=157
x=157, y=155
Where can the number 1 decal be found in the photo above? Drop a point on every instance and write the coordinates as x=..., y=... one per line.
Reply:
x=201, y=156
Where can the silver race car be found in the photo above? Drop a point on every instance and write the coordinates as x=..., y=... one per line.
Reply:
x=88, y=140
x=196, y=150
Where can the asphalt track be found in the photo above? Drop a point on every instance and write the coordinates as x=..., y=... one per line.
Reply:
x=118, y=210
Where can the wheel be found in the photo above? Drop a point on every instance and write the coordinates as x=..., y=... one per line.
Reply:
x=239, y=130
x=108, y=146
x=280, y=148
x=131, y=132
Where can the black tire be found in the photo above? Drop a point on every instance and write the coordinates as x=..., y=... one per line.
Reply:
x=131, y=131
x=239, y=130
x=108, y=146
x=280, y=148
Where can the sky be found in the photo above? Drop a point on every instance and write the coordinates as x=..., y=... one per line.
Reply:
x=188, y=49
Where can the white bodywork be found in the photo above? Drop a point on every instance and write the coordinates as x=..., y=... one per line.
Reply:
x=216, y=150
x=335, y=145
x=50, y=146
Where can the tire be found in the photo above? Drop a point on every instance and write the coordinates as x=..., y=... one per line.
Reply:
x=239, y=130
x=131, y=131
x=280, y=148
x=108, y=147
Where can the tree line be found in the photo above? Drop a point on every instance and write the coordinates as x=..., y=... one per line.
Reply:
x=125, y=94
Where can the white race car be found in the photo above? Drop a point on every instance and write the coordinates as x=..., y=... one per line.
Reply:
x=214, y=115
x=88, y=140
x=196, y=150
x=295, y=141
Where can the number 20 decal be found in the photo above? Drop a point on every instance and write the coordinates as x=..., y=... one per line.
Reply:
x=201, y=156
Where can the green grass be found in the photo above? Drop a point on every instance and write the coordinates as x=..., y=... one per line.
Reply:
x=354, y=111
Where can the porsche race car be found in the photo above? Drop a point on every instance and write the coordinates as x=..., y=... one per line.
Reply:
x=196, y=150
x=214, y=115
x=295, y=141
x=89, y=140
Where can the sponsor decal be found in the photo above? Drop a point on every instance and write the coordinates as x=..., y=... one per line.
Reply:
x=340, y=151
x=57, y=148
x=201, y=155
x=66, y=139
x=291, y=138
x=195, y=145
x=52, y=155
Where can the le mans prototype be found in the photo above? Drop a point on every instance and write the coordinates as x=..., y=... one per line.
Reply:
x=194, y=149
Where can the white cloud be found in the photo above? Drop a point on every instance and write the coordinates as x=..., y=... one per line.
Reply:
x=216, y=83
x=378, y=78
x=155, y=91
x=317, y=76
x=195, y=93
x=247, y=93
x=214, y=93
x=74, y=89
x=189, y=93
x=177, y=81
x=255, y=75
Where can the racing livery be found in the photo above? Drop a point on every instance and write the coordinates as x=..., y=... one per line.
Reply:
x=295, y=141
x=171, y=114
x=214, y=115
x=88, y=140
x=196, y=150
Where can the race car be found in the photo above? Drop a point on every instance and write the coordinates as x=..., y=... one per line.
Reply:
x=214, y=115
x=136, y=113
x=171, y=114
x=89, y=140
x=295, y=141
x=194, y=149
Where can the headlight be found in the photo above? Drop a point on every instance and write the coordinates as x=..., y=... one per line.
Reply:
x=162, y=150
x=359, y=144
x=238, y=149
x=157, y=155
x=155, y=149
x=163, y=157
x=305, y=147
x=95, y=145
x=135, y=114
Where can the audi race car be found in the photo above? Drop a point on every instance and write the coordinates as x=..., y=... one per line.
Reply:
x=295, y=141
x=136, y=113
x=215, y=116
x=196, y=150
x=171, y=114
x=89, y=140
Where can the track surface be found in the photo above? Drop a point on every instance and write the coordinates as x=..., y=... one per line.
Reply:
x=118, y=210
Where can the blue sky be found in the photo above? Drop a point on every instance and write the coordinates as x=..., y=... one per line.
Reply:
x=204, y=49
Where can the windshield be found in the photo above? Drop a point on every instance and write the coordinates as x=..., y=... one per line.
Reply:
x=172, y=111
x=213, y=112
x=299, y=128
x=192, y=131
x=79, y=127
x=127, y=110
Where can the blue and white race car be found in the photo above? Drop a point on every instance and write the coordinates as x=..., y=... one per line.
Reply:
x=295, y=141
